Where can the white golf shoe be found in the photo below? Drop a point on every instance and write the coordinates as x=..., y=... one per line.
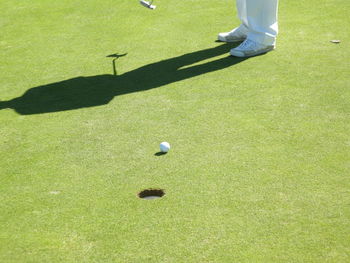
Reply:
x=236, y=35
x=250, y=48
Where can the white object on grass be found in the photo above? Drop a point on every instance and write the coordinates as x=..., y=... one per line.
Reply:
x=147, y=4
x=164, y=147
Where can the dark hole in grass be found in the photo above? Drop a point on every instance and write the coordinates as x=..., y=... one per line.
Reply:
x=150, y=194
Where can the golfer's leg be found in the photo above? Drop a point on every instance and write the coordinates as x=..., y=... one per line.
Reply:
x=262, y=21
x=242, y=13
x=239, y=33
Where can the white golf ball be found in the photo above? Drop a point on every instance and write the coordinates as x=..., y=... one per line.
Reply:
x=164, y=147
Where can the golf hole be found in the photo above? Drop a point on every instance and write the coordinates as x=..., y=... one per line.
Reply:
x=150, y=194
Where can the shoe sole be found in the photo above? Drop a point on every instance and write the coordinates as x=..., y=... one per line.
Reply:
x=223, y=39
x=243, y=55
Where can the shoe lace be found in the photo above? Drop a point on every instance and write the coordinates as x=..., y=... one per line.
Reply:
x=247, y=44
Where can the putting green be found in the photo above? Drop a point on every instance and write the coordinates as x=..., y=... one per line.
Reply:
x=258, y=169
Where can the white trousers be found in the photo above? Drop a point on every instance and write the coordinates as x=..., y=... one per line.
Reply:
x=259, y=19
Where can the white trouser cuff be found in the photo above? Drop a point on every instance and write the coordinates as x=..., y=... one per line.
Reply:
x=262, y=38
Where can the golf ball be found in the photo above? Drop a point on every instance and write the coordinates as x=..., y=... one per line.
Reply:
x=164, y=147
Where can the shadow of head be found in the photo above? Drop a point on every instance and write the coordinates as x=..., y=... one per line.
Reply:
x=82, y=92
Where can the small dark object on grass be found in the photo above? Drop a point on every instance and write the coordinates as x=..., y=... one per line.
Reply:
x=150, y=194
x=160, y=153
x=115, y=56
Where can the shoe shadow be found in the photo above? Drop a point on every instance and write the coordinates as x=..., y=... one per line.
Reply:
x=83, y=92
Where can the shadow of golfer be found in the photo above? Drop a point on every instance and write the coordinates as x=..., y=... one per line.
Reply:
x=82, y=92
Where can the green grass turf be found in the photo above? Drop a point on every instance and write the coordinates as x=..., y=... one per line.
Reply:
x=259, y=165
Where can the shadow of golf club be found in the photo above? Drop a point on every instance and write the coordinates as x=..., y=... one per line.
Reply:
x=83, y=92
x=115, y=57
